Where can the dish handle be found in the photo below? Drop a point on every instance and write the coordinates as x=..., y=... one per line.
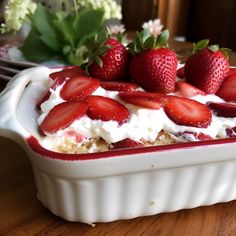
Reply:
x=9, y=125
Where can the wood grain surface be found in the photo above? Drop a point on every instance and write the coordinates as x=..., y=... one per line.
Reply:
x=22, y=214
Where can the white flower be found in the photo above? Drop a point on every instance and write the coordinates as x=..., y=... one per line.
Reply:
x=17, y=12
x=111, y=9
x=116, y=29
x=154, y=26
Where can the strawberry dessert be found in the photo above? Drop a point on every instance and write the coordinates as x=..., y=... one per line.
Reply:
x=139, y=96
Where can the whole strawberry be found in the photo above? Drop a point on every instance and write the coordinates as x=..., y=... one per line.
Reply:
x=153, y=65
x=107, y=58
x=207, y=67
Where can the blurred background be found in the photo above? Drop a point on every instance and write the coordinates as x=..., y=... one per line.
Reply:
x=188, y=20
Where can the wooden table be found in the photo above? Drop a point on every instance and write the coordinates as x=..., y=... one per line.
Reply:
x=22, y=214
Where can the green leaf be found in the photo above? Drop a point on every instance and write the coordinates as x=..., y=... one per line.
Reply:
x=144, y=34
x=214, y=47
x=150, y=42
x=138, y=43
x=34, y=48
x=64, y=25
x=120, y=37
x=88, y=22
x=51, y=42
x=200, y=45
x=99, y=61
x=162, y=40
x=43, y=22
x=101, y=36
x=66, y=50
x=74, y=60
x=226, y=52
x=103, y=49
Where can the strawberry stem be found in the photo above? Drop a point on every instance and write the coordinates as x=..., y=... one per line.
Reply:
x=97, y=48
x=214, y=48
x=200, y=45
x=145, y=40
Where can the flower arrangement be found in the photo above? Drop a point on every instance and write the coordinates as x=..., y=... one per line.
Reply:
x=62, y=33
x=59, y=34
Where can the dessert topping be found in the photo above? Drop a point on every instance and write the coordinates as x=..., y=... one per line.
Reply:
x=56, y=83
x=189, y=136
x=223, y=109
x=188, y=112
x=187, y=90
x=67, y=73
x=207, y=67
x=78, y=88
x=126, y=143
x=62, y=115
x=107, y=58
x=144, y=99
x=153, y=66
x=227, y=90
x=231, y=132
x=118, y=86
x=106, y=109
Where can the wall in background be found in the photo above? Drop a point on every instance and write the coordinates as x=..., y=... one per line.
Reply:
x=136, y=12
x=174, y=15
x=193, y=19
x=213, y=19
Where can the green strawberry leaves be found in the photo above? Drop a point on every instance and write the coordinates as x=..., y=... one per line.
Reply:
x=145, y=40
x=97, y=48
x=163, y=39
x=214, y=48
x=225, y=51
x=200, y=45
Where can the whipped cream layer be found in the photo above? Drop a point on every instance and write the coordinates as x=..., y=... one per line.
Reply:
x=142, y=123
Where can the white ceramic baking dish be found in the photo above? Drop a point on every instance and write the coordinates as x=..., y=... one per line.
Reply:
x=122, y=184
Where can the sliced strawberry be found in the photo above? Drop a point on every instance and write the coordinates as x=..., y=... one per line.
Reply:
x=223, y=109
x=126, y=143
x=187, y=90
x=44, y=98
x=198, y=136
x=144, y=99
x=78, y=88
x=227, y=90
x=118, y=86
x=56, y=83
x=184, y=111
x=70, y=72
x=106, y=109
x=62, y=115
x=231, y=132
x=58, y=79
x=180, y=73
